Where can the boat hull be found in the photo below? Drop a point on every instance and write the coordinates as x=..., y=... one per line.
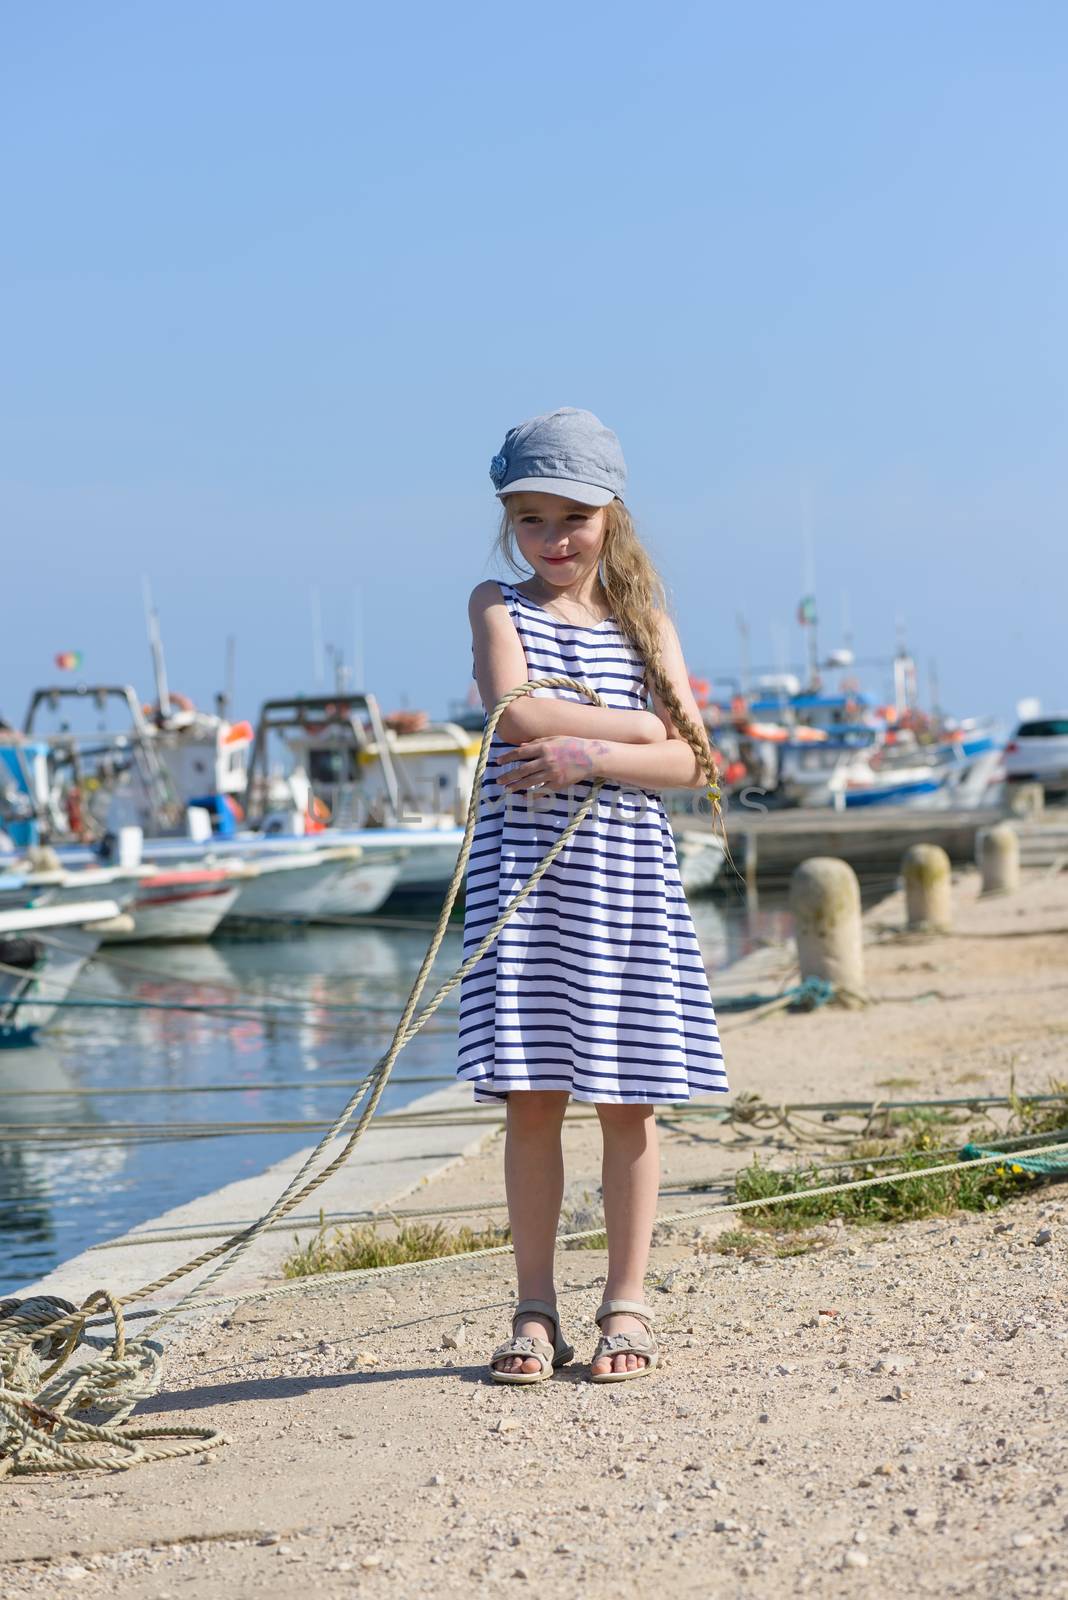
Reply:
x=40, y=991
x=172, y=912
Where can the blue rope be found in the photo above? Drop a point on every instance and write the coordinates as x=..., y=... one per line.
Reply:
x=806, y=996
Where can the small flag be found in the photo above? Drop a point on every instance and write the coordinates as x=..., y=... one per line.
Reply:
x=69, y=660
x=806, y=611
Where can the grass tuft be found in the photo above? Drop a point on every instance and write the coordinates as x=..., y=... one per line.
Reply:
x=966, y=1188
x=349, y=1249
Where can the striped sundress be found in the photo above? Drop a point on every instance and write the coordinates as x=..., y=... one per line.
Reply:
x=596, y=984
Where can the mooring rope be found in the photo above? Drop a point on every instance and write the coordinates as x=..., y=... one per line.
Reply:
x=724, y=1208
x=395, y=1214
x=38, y=1425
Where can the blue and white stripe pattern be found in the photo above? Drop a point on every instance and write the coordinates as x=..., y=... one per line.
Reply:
x=596, y=984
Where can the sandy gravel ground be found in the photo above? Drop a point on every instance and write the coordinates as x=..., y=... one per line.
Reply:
x=884, y=1413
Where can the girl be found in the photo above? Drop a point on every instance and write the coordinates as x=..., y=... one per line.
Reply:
x=595, y=988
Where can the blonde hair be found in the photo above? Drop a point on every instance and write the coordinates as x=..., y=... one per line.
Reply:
x=636, y=594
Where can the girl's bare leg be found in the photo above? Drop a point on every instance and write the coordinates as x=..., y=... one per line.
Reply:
x=630, y=1178
x=534, y=1184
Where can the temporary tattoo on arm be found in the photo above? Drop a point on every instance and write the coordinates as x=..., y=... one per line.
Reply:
x=581, y=753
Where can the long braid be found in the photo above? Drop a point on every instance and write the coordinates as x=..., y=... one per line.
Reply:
x=636, y=592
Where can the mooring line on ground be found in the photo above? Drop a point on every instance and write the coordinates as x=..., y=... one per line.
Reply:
x=328, y=1280
x=394, y=1214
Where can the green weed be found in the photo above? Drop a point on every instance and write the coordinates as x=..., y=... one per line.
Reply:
x=965, y=1188
x=349, y=1249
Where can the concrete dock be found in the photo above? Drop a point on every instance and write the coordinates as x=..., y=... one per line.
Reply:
x=873, y=840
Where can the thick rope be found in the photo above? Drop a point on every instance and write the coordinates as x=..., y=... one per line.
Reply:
x=36, y=1431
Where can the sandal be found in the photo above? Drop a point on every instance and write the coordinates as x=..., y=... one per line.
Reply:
x=614, y=1344
x=557, y=1354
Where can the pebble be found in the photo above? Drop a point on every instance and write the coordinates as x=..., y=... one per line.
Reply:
x=973, y=1377
x=371, y=1560
x=454, y=1340
x=896, y=1364
x=855, y=1558
x=1044, y=1236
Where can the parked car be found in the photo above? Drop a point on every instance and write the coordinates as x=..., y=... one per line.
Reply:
x=1038, y=753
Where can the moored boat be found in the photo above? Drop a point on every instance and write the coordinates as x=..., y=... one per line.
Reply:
x=42, y=951
x=186, y=903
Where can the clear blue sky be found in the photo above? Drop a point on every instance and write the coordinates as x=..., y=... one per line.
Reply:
x=276, y=279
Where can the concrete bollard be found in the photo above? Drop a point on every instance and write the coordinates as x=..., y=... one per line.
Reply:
x=929, y=906
x=998, y=853
x=825, y=902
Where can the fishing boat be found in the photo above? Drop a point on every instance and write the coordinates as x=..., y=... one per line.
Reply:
x=182, y=785
x=816, y=748
x=24, y=886
x=316, y=885
x=42, y=951
x=186, y=903
x=361, y=778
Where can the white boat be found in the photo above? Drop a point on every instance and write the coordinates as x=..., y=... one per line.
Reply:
x=42, y=951
x=185, y=903
x=373, y=784
x=25, y=887
x=362, y=888
x=302, y=886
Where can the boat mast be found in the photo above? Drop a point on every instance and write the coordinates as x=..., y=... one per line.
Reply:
x=163, y=699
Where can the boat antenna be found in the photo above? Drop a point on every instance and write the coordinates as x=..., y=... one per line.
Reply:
x=358, y=634
x=163, y=699
x=224, y=702
x=318, y=670
x=743, y=650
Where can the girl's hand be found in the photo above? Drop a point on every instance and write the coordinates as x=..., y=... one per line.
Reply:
x=552, y=763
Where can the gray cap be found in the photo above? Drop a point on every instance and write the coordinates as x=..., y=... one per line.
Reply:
x=565, y=452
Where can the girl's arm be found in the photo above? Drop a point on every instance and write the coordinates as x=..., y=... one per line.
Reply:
x=500, y=664
x=558, y=762
x=671, y=765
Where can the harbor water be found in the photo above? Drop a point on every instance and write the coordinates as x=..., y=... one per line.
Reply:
x=94, y=1118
